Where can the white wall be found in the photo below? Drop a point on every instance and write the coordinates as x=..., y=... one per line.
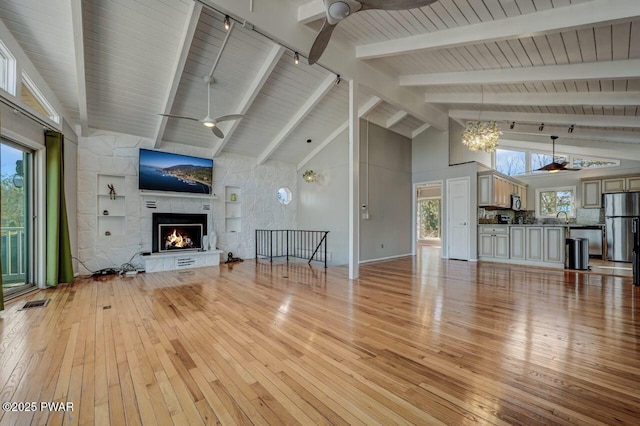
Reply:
x=324, y=204
x=385, y=185
x=117, y=154
x=430, y=162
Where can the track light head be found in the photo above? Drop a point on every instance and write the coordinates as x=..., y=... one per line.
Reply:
x=571, y=128
x=512, y=125
x=296, y=58
x=227, y=22
x=338, y=79
x=541, y=128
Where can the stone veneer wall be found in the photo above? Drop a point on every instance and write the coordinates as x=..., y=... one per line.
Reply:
x=117, y=154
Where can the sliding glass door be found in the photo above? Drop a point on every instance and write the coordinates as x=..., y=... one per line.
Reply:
x=16, y=206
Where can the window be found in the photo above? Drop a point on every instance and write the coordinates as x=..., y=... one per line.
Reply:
x=511, y=163
x=539, y=159
x=514, y=162
x=590, y=162
x=32, y=97
x=7, y=70
x=551, y=201
x=284, y=195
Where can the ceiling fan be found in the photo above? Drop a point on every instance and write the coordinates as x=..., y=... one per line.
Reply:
x=209, y=121
x=553, y=166
x=337, y=10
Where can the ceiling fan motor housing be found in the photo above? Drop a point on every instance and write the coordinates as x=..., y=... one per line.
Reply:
x=337, y=10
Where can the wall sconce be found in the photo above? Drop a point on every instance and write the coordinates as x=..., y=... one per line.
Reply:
x=309, y=176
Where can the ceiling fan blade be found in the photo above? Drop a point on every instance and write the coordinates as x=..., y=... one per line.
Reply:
x=551, y=167
x=216, y=131
x=229, y=117
x=394, y=4
x=180, y=116
x=321, y=42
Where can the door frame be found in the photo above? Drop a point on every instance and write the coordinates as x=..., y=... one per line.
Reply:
x=414, y=216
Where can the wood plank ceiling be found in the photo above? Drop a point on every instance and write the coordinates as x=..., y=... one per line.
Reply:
x=522, y=61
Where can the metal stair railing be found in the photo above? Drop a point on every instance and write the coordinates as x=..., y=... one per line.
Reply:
x=311, y=245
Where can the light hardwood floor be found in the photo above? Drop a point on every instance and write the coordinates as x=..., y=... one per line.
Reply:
x=416, y=340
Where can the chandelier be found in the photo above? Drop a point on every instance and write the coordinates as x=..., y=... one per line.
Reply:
x=481, y=135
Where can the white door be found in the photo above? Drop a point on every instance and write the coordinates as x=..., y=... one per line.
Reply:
x=458, y=218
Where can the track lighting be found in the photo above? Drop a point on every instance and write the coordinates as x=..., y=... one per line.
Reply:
x=571, y=128
x=296, y=58
x=541, y=128
x=227, y=22
x=512, y=125
x=338, y=79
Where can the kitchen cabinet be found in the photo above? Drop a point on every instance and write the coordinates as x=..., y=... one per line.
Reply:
x=522, y=244
x=534, y=243
x=632, y=183
x=517, y=245
x=495, y=191
x=613, y=185
x=554, y=242
x=494, y=242
x=592, y=194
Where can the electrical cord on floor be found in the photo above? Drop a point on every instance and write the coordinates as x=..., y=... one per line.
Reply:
x=124, y=268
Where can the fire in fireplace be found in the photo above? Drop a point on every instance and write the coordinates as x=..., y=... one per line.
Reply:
x=178, y=232
x=180, y=237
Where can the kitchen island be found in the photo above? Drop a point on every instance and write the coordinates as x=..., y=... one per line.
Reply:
x=535, y=245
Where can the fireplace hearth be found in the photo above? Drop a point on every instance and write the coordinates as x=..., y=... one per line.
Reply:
x=173, y=232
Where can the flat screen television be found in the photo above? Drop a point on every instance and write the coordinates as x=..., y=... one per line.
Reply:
x=165, y=171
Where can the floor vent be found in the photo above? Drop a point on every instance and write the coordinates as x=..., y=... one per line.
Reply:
x=35, y=304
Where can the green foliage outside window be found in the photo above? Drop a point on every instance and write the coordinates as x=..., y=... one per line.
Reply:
x=429, y=218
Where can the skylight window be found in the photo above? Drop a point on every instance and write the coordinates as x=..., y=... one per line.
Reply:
x=33, y=97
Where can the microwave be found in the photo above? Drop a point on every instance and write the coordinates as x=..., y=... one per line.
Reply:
x=516, y=203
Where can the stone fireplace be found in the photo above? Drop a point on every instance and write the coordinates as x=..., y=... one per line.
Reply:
x=175, y=232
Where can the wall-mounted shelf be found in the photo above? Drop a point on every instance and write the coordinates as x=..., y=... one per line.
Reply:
x=111, y=209
x=232, y=209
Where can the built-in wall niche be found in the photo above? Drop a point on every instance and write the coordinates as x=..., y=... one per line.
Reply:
x=111, y=205
x=233, y=208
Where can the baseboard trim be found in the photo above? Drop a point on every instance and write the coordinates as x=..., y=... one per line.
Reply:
x=385, y=258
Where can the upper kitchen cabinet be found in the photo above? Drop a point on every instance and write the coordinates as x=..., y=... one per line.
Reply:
x=592, y=194
x=495, y=190
x=613, y=185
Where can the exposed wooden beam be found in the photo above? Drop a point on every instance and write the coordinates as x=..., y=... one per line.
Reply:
x=365, y=109
x=526, y=131
x=78, y=46
x=539, y=99
x=250, y=95
x=313, y=100
x=280, y=21
x=587, y=14
x=311, y=11
x=610, y=70
x=396, y=118
x=419, y=130
x=193, y=16
x=562, y=119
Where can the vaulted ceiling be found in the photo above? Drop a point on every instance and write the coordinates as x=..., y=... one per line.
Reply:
x=118, y=64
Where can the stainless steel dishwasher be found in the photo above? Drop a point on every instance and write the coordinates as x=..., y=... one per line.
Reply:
x=593, y=233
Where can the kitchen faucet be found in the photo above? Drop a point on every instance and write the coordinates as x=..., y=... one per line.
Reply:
x=566, y=217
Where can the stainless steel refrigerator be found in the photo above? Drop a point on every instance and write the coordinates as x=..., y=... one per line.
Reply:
x=619, y=211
